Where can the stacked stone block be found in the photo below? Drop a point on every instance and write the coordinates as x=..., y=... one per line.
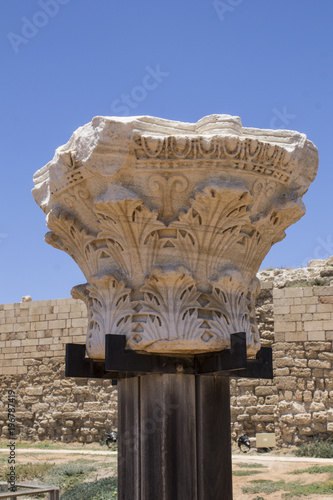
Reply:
x=303, y=357
x=38, y=330
x=32, y=351
x=298, y=403
x=303, y=314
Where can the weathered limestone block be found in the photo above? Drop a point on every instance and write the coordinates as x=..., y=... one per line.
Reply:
x=319, y=427
x=317, y=407
x=284, y=362
x=272, y=400
x=251, y=410
x=263, y=418
x=301, y=372
x=266, y=409
x=246, y=400
x=235, y=411
x=303, y=419
x=278, y=372
x=288, y=395
x=284, y=406
x=319, y=416
x=265, y=391
x=287, y=419
x=170, y=221
x=286, y=383
x=315, y=363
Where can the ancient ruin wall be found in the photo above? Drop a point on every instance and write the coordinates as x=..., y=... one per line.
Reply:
x=298, y=403
x=296, y=320
x=32, y=349
x=295, y=317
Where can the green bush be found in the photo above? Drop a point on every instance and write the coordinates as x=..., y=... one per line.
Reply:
x=315, y=469
x=298, y=489
x=251, y=465
x=28, y=471
x=103, y=489
x=246, y=472
x=69, y=475
x=318, y=282
x=317, y=448
x=263, y=486
x=291, y=489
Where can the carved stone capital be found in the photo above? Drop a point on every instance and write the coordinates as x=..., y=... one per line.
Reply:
x=170, y=221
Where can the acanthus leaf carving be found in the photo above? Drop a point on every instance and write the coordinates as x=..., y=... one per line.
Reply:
x=109, y=311
x=130, y=233
x=171, y=306
x=232, y=306
x=143, y=193
x=210, y=228
x=68, y=234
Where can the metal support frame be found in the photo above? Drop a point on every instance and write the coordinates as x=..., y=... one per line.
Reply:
x=121, y=363
x=174, y=416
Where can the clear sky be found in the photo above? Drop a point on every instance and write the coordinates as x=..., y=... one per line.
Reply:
x=66, y=61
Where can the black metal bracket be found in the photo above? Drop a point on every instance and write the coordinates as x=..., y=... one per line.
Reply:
x=122, y=363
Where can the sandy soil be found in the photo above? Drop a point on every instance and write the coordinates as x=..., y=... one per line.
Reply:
x=276, y=467
x=275, y=470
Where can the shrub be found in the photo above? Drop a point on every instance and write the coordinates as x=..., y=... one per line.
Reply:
x=263, y=486
x=70, y=474
x=251, y=465
x=315, y=469
x=318, y=282
x=246, y=472
x=103, y=489
x=317, y=448
x=28, y=471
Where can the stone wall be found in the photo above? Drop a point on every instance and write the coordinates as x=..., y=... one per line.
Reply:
x=32, y=349
x=296, y=320
x=295, y=317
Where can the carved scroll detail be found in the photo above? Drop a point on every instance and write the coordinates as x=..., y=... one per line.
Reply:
x=74, y=195
x=166, y=187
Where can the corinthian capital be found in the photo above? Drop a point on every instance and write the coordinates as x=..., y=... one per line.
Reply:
x=170, y=221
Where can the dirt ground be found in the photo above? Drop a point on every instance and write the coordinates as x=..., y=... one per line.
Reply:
x=275, y=467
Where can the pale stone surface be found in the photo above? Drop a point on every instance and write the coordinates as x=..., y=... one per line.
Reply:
x=26, y=298
x=169, y=223
x=312, y=320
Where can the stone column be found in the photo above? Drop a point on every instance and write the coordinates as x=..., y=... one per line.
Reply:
x=169, y=222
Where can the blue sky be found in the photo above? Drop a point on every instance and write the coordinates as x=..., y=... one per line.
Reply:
x=66, y=61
